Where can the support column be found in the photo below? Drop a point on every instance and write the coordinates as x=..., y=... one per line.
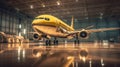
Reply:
x=0, y=21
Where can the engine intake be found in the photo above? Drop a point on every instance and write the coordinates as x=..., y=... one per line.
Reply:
x=83, y=34
x=36, y=37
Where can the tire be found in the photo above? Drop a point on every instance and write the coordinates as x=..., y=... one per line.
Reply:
x=1, y=38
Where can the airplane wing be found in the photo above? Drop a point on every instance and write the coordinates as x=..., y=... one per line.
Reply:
x=101, y=30
x=85, y=32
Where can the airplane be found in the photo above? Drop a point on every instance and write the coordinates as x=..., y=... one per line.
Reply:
x=47, y=26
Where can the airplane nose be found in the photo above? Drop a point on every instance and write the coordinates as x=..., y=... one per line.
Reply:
x=35, y=22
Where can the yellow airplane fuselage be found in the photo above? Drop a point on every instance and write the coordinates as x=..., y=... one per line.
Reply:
x=49, y=25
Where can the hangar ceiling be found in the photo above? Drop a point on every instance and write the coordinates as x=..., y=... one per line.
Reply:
x=80, y=9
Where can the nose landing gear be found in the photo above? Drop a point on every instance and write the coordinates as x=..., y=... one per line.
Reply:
x=55, y=42
x=76, y=41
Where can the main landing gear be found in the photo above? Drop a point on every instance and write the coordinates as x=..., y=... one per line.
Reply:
x=55, y=42
x=48, y=42
x=76, y=41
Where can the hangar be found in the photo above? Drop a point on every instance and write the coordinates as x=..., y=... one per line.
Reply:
x=16, y=17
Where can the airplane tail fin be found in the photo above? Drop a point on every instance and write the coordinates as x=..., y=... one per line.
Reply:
x=72, y=22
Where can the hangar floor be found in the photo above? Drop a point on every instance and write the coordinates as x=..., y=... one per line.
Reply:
x=63, y=55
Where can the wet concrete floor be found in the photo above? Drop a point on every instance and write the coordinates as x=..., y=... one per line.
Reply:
x=63, y=55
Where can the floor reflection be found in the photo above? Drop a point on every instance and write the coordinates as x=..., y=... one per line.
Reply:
x=30, y=55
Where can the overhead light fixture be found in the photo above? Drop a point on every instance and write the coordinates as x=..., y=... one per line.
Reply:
x=43, y=5
x=86, y=17
x=58, y=2
x=76, y=0
x=101, y=14
x=31, y=6
x=17, y=9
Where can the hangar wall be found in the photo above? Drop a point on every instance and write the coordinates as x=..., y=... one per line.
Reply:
x=14, y=22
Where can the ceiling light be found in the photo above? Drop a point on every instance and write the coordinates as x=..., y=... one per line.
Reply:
x=43, y=5
x=58, y=2
x=101, y=14
x=31, y=6
x=86, y=17
x=76, y=0
x=17, y=9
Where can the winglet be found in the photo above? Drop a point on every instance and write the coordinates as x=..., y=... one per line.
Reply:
x=72, y=22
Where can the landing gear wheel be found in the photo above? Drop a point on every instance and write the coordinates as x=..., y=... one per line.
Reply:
x=1, y=39
x=76, y=42
x=55, y=42
x=48, y=42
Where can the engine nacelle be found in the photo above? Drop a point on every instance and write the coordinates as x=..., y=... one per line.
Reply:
x=36, y=36
x=83, y=34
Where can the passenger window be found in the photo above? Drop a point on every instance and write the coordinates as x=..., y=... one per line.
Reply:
x=43, y=18
x=39, y=18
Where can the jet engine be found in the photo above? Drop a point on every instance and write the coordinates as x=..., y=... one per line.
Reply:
x=83, y=34
x=36, y=36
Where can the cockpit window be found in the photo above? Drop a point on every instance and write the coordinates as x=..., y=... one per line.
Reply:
x=43, y=18
x=47, y=19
